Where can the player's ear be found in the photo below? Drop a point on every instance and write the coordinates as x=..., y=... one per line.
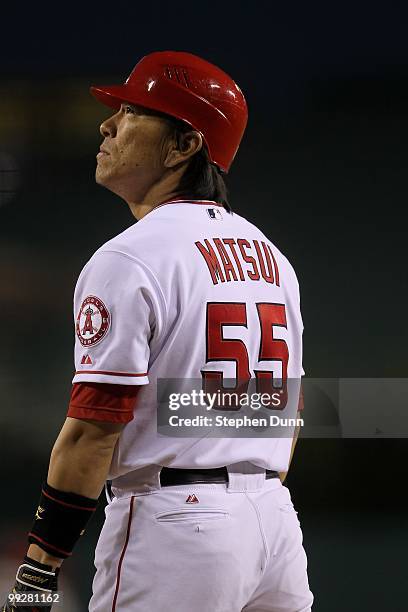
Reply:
x=182, y=147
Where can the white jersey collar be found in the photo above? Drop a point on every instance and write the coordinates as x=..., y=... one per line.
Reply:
x=185, y=201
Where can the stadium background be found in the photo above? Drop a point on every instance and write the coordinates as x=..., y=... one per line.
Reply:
x=322, y=170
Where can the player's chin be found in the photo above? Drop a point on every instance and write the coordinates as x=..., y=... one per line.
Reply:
x=102, y=176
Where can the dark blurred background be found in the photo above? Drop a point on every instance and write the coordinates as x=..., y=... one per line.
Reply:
x=322, y=170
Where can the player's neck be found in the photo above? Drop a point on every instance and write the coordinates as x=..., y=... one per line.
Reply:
x=156, y=195
x=142, y=208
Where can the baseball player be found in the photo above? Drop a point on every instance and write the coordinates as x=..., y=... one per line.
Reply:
x=191, y=291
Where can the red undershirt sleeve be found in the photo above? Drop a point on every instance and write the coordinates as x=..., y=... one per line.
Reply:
x=103, y=402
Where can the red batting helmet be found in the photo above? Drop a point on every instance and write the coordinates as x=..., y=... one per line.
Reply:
x=189, y=88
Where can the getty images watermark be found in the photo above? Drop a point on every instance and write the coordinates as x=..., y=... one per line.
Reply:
x=186, y=409
x=333, y=408
x=229, y=400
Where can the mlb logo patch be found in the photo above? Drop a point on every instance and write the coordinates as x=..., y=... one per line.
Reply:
x=214, y=213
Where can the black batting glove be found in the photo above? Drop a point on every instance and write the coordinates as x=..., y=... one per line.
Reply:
x=34, y=588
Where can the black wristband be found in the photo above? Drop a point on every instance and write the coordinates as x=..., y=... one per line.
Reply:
x=60, y=520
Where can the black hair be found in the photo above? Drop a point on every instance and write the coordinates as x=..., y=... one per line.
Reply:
x=202, y=179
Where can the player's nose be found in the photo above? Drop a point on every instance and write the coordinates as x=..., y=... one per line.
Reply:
x=108, y=127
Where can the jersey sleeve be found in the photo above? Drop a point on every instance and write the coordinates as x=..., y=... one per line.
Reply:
x=118, y=308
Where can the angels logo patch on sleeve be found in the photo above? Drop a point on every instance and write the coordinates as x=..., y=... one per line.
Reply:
x=93, y=321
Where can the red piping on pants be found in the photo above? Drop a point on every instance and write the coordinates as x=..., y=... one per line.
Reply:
x=132, y=499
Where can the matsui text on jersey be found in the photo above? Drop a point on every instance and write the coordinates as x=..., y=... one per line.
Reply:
x=230, y=259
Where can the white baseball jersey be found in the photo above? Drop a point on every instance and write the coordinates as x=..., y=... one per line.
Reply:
x=188, y=290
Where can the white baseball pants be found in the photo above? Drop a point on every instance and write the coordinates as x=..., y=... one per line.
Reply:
x=202, y=548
